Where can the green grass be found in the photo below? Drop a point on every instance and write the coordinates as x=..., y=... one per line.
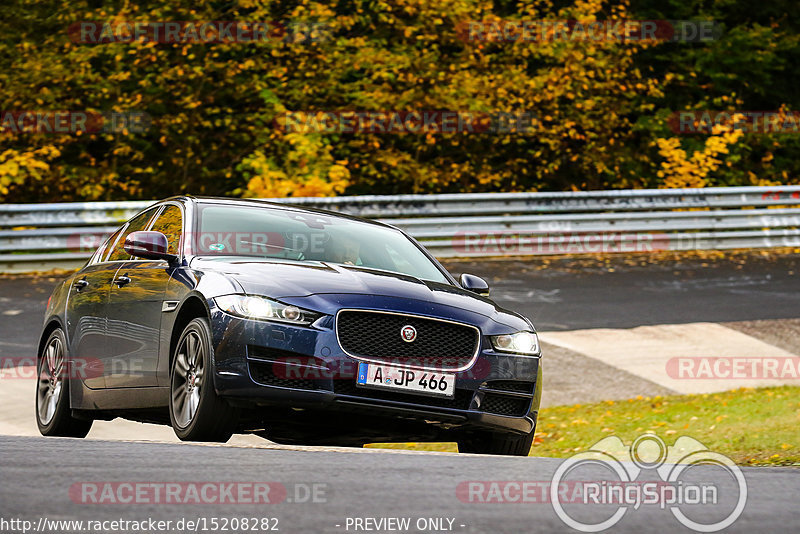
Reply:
x=751, y=426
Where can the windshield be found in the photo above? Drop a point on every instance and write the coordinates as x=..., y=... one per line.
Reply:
x=265, y=232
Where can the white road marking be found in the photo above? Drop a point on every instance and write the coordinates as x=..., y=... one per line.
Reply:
x=26, y=345
x=534, y=295
x=645, y=350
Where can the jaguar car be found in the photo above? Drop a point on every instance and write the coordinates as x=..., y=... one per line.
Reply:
x=220, y=316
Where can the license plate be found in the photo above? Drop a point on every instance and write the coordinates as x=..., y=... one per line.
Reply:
x=387, y=377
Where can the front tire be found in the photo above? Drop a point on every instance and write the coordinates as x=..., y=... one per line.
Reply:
x=53, y=414
x=496, y=443
x=196, y=411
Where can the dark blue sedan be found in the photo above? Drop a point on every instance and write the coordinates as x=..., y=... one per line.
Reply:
x=222, y=316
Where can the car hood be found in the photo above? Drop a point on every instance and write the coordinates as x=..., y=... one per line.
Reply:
x=326, y=287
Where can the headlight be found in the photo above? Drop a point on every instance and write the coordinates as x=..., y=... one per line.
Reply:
x=264, y=309
x=520, y=343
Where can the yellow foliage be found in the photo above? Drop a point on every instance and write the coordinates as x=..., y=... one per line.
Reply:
x=679, y=170
x=309, y=170
x=18, y=167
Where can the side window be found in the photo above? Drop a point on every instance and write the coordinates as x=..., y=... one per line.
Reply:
x=170, y=223
x=137, y=224
x=102, y=251
x=111, y=242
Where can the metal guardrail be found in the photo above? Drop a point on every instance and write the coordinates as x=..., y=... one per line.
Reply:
x=36, y=236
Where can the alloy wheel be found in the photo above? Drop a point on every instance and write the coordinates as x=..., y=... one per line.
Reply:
x=51, y=369
x=187, y=380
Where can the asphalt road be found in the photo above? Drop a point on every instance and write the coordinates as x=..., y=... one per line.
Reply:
x=37, y=476
x=624, y=292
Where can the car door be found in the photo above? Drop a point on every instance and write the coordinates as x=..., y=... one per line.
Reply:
x=119, y=342
x=135, y=306
x=85, y=315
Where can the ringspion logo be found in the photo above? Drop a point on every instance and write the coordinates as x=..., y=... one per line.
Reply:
x=690, y=477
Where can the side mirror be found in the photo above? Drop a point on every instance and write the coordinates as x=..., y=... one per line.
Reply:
x=476, y=284
x=148, y=245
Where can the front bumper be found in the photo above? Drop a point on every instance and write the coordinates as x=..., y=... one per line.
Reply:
x=259, y=364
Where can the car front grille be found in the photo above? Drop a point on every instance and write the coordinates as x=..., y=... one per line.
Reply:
x=505, y=405
x=377, y=336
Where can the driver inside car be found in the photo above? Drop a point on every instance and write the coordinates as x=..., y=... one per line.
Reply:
x=343, y=249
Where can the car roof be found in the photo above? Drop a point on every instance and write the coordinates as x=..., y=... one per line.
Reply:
x=266, y=203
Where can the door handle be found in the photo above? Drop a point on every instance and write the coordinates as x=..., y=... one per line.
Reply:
x=80, y=285
x=122, y=280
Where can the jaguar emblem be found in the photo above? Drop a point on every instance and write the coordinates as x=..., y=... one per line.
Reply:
x=408, y=333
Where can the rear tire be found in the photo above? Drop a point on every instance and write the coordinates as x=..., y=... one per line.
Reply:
x=196, y=412
x=496, y=443
x=53, y=413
